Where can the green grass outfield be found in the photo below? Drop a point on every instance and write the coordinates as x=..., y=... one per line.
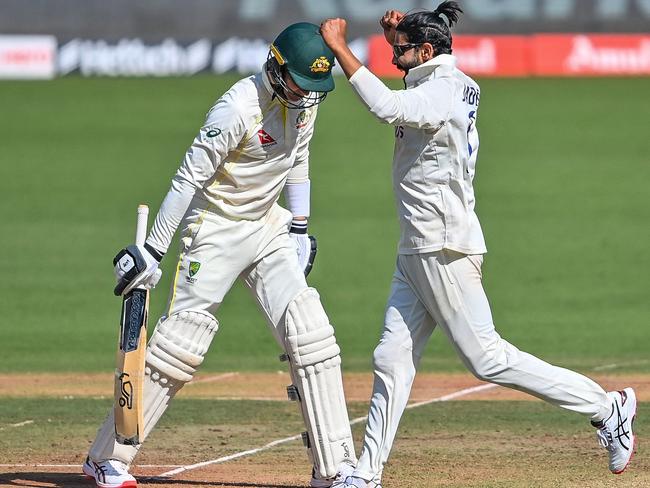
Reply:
x=562, y=188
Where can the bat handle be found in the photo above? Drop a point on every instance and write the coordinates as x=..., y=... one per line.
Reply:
x=141, y=226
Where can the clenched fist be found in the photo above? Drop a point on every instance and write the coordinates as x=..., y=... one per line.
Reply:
x=388, y=22
x=334, y=32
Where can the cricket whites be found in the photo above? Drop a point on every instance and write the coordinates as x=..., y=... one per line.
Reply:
x=129, y=369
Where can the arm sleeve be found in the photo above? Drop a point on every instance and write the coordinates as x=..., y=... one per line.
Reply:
x=297, y=196
x=223, y=130
x=297, y=188
x=300, y=171
x=426, y=106
x=170, y=214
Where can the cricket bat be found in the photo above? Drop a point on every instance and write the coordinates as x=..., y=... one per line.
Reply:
x=132, y=345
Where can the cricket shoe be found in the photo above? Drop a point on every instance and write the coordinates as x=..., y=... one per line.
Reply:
x=109, y=474
x=355, y=482
x=615, y=432
x=336, y=481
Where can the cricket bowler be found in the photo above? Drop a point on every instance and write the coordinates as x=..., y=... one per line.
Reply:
x=437, y=280
x=253, y=146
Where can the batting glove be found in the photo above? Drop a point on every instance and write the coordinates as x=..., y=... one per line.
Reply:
x=305, y=245
x=136, y=267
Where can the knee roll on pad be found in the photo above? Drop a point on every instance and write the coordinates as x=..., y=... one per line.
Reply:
x=175, y=351
x=179, y=343
x=316, y=372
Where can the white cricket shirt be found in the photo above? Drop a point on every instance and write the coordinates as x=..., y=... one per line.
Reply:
x=436, y=144
x=248, y=148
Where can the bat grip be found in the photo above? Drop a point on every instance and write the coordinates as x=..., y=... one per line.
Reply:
x=141, y=226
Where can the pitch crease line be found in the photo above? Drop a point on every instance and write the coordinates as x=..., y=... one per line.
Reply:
x=19, y=424
x=444, y=398
x=210, y=379
x=40, y=465
x=620, y=365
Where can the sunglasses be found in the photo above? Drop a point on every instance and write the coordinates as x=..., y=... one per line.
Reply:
x=400, y=49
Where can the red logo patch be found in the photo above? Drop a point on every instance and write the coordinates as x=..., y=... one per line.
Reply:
x=265, y=138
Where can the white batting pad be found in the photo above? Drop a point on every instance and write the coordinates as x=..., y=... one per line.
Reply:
x=178, y=344
x=175, y=351
x=316, y=373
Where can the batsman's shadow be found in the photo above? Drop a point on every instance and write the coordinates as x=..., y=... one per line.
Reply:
x=215, y=483
x=76, y=480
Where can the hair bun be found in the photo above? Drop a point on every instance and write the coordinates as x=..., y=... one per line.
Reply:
x=450, y=10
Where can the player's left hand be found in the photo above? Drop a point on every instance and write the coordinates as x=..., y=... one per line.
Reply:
x=389, y=22
x=334, y=32
x=306, y=246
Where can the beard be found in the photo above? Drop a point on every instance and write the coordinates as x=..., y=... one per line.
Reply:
x=405, y=67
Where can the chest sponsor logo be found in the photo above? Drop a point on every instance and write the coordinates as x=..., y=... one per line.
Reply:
x=265, y=139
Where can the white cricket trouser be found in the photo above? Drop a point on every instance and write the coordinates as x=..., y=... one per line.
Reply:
x=260, y=252
x=444, y=288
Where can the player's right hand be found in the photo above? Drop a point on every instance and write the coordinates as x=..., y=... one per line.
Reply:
x=333, y=32
x=306, y=246
x=136, y=267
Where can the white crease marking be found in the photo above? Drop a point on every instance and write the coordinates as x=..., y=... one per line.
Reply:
x=606, y=367
x=39, y=465
x=451, y=396
x=19, y=424
x=210, y=379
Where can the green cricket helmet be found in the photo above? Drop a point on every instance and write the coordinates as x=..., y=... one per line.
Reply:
x=300, y=51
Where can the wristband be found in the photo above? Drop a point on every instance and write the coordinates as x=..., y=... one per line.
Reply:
x=298, y=227
x=154, y=252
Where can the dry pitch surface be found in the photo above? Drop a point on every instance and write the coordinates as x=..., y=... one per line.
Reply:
x=486, y=437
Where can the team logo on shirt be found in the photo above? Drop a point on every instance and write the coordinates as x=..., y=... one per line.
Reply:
x=320, y=65
x=194, y=267
x=192, y=270
x=265, y=139
x=302, y=119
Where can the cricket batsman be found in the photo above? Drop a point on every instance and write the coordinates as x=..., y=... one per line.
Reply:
x=437, y=280
x=253, y=145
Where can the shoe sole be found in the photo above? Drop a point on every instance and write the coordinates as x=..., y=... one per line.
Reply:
x=317, y=483
x=126, y=484
x=633, y=439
